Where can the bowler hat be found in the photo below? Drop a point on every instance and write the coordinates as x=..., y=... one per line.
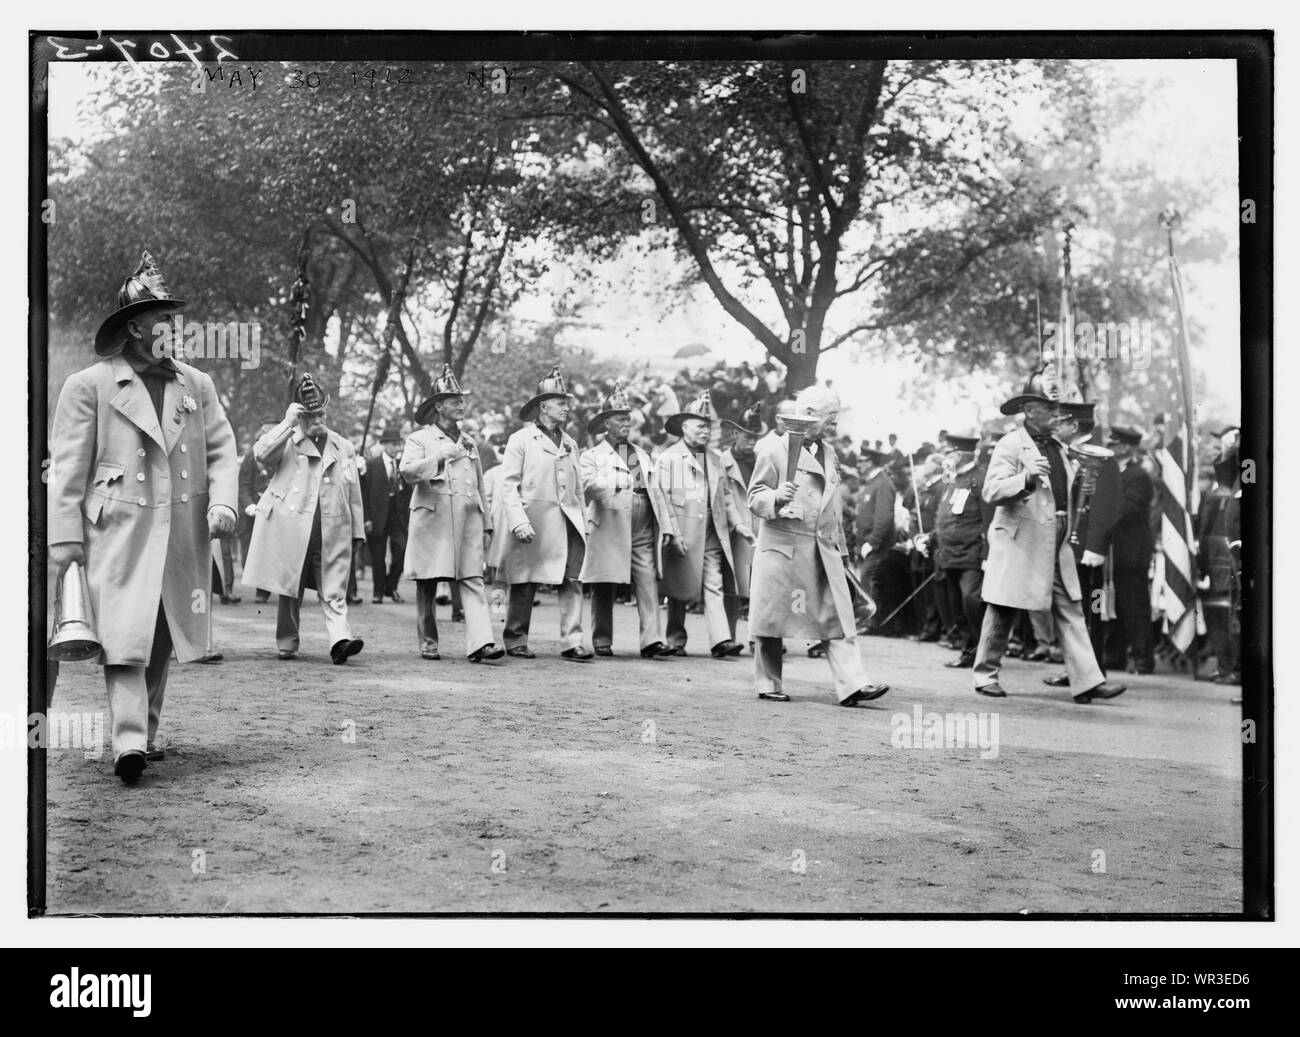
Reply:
x=549, y=388
x=144, y=289
x=701, y=407
x=392, y=434
x=444, y=386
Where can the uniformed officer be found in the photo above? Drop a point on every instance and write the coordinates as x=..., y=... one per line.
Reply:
x=450, y=528
x=875, y=528
x=1132, y=547
x=253, y=481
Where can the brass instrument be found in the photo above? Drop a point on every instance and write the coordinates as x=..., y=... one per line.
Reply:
x=1091, y=457
x=74, y=637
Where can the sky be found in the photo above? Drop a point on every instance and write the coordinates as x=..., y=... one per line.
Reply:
x=1189, y=118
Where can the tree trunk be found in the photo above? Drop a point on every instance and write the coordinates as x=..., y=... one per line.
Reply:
x=801, y=369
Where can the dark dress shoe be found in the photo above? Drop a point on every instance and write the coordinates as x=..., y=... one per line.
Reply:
x=231, y=599
x=283, y=654
x=577, y=655
x=343, y=650
x=675, y=650
x=1101, y=691
x=1040, y=654
x=867, y=694
x=261, y=597
x=658, y=650
x=458, y=617
x=992, y=690
x=962, y=662
x=520, y=652
x=604, y=651
x=430, y=653
x=442, y=599
x=211, y=656
x=1228, y=678
x=398, y=598
x=155, y=754
x=488, y=651
x=774, y=696
x=817, y=651
x=351, y=601
x=130, y=765
x=377, y=601
x=724, y=649
x=1061, y=680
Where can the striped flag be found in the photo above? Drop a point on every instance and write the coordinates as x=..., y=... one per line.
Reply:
x=1177, y=458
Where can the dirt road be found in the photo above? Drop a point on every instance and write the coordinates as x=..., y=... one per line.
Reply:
x=393, y=784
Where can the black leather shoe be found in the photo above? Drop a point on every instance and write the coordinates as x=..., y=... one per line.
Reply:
x=130, y=765
x=210, y=656
x=604, y=651
x=343, y=650
x=488, y=651
x=231, y=599
x=1041, y=654
x=285, y=654
x=724, y=649
x=658, y=650
x=963, y=662
x=520, y=652
x=992, y=690
x=577, y=655
x=867, y=694
x=351, y=601
x=675, y=650
x=155, y=754
x=817, y=651
x=398, y=598
x=1101, y=691
x=458, y=617
x=774, y=696
x=430, y=653
x=377, y=601
x=262, y=597
x=1061, y=680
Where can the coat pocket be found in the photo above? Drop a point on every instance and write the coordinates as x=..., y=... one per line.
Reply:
x=1009, y=524
x=107, y=473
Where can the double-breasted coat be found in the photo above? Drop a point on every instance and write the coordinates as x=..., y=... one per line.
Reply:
x=135, y=491
x=541, y=485
x=691, y=499
x=798, y=587
x=607, y=487
x=742, y=548
x=1023, y=554
x=301, y=477
x=448, y=507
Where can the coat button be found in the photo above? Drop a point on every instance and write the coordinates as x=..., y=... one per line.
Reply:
x=183, y=448
x=184, y=474
x=139, y=476
x=292, y=508
x=142, y=502
x=141, y=452
x=327, y=479
x=185, y=497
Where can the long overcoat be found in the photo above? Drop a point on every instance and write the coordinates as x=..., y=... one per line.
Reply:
x=135, y=492
x=540, y=484
x=1022, y=534
x=302, y=476
x=448, y=507
x=798, y=587
x=691, y=499
x=742, y=548
x=607, y=487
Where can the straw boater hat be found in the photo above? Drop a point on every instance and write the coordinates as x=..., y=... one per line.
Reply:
x=701, y=407
x=1036, y=390
x=312, y=397
x=144, y=289
x=751, y=422
x=444, y=386
x=549, y=388
x=616, y=402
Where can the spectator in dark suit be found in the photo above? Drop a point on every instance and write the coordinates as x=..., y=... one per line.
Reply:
x=874, y=526
x=387, y=501
x=1131, y=548
x=253, y=481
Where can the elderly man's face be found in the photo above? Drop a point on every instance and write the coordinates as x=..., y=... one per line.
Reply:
x=555, y=410
x=452, y=409
x=618, y=427
x=825, y=425
x=312, y=423
x=743, y=444
x=695, y=432
x=1042, y=417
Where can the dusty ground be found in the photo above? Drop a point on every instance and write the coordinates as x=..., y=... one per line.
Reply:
x=628, y=785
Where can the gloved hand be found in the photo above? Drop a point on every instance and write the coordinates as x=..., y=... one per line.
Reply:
x=1092, y=559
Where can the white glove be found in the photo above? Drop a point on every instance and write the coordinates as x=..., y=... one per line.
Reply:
x=922, y=544
x=251, y=510
x=1092, y=559
x=524, y=532
x=866, y=550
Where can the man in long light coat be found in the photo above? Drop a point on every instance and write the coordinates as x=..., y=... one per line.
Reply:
x=737, y=469
x=539, y=531
x=799, y=587
x=1030, y=562
x=697, y=559
x=307, y=521
x=143, y=473
x=625, y=512
x=450, y=526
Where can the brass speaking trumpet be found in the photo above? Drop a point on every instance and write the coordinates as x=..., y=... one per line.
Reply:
x=74, y=638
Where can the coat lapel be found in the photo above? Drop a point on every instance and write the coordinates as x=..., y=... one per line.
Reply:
x=133, y=403
x=174, y=391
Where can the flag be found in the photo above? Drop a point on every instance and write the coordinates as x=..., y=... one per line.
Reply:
x=1177, y=456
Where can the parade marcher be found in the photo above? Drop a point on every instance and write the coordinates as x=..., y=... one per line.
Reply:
x=1132, y=545
x=625, y=513
x=539, y=531
x=798, y=587
x=450, y=527
x=959, y=543
x=253, y=481
x=875, y=526
x=1216, y=562
x=920, y=501
x=737, y=469
x=387, y=506
x=1090, y=539
x=143, y=474
x=1030, y=563
x=697, y=558
x=307, y=521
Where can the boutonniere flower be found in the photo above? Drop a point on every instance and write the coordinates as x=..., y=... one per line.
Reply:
x=188, y=403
